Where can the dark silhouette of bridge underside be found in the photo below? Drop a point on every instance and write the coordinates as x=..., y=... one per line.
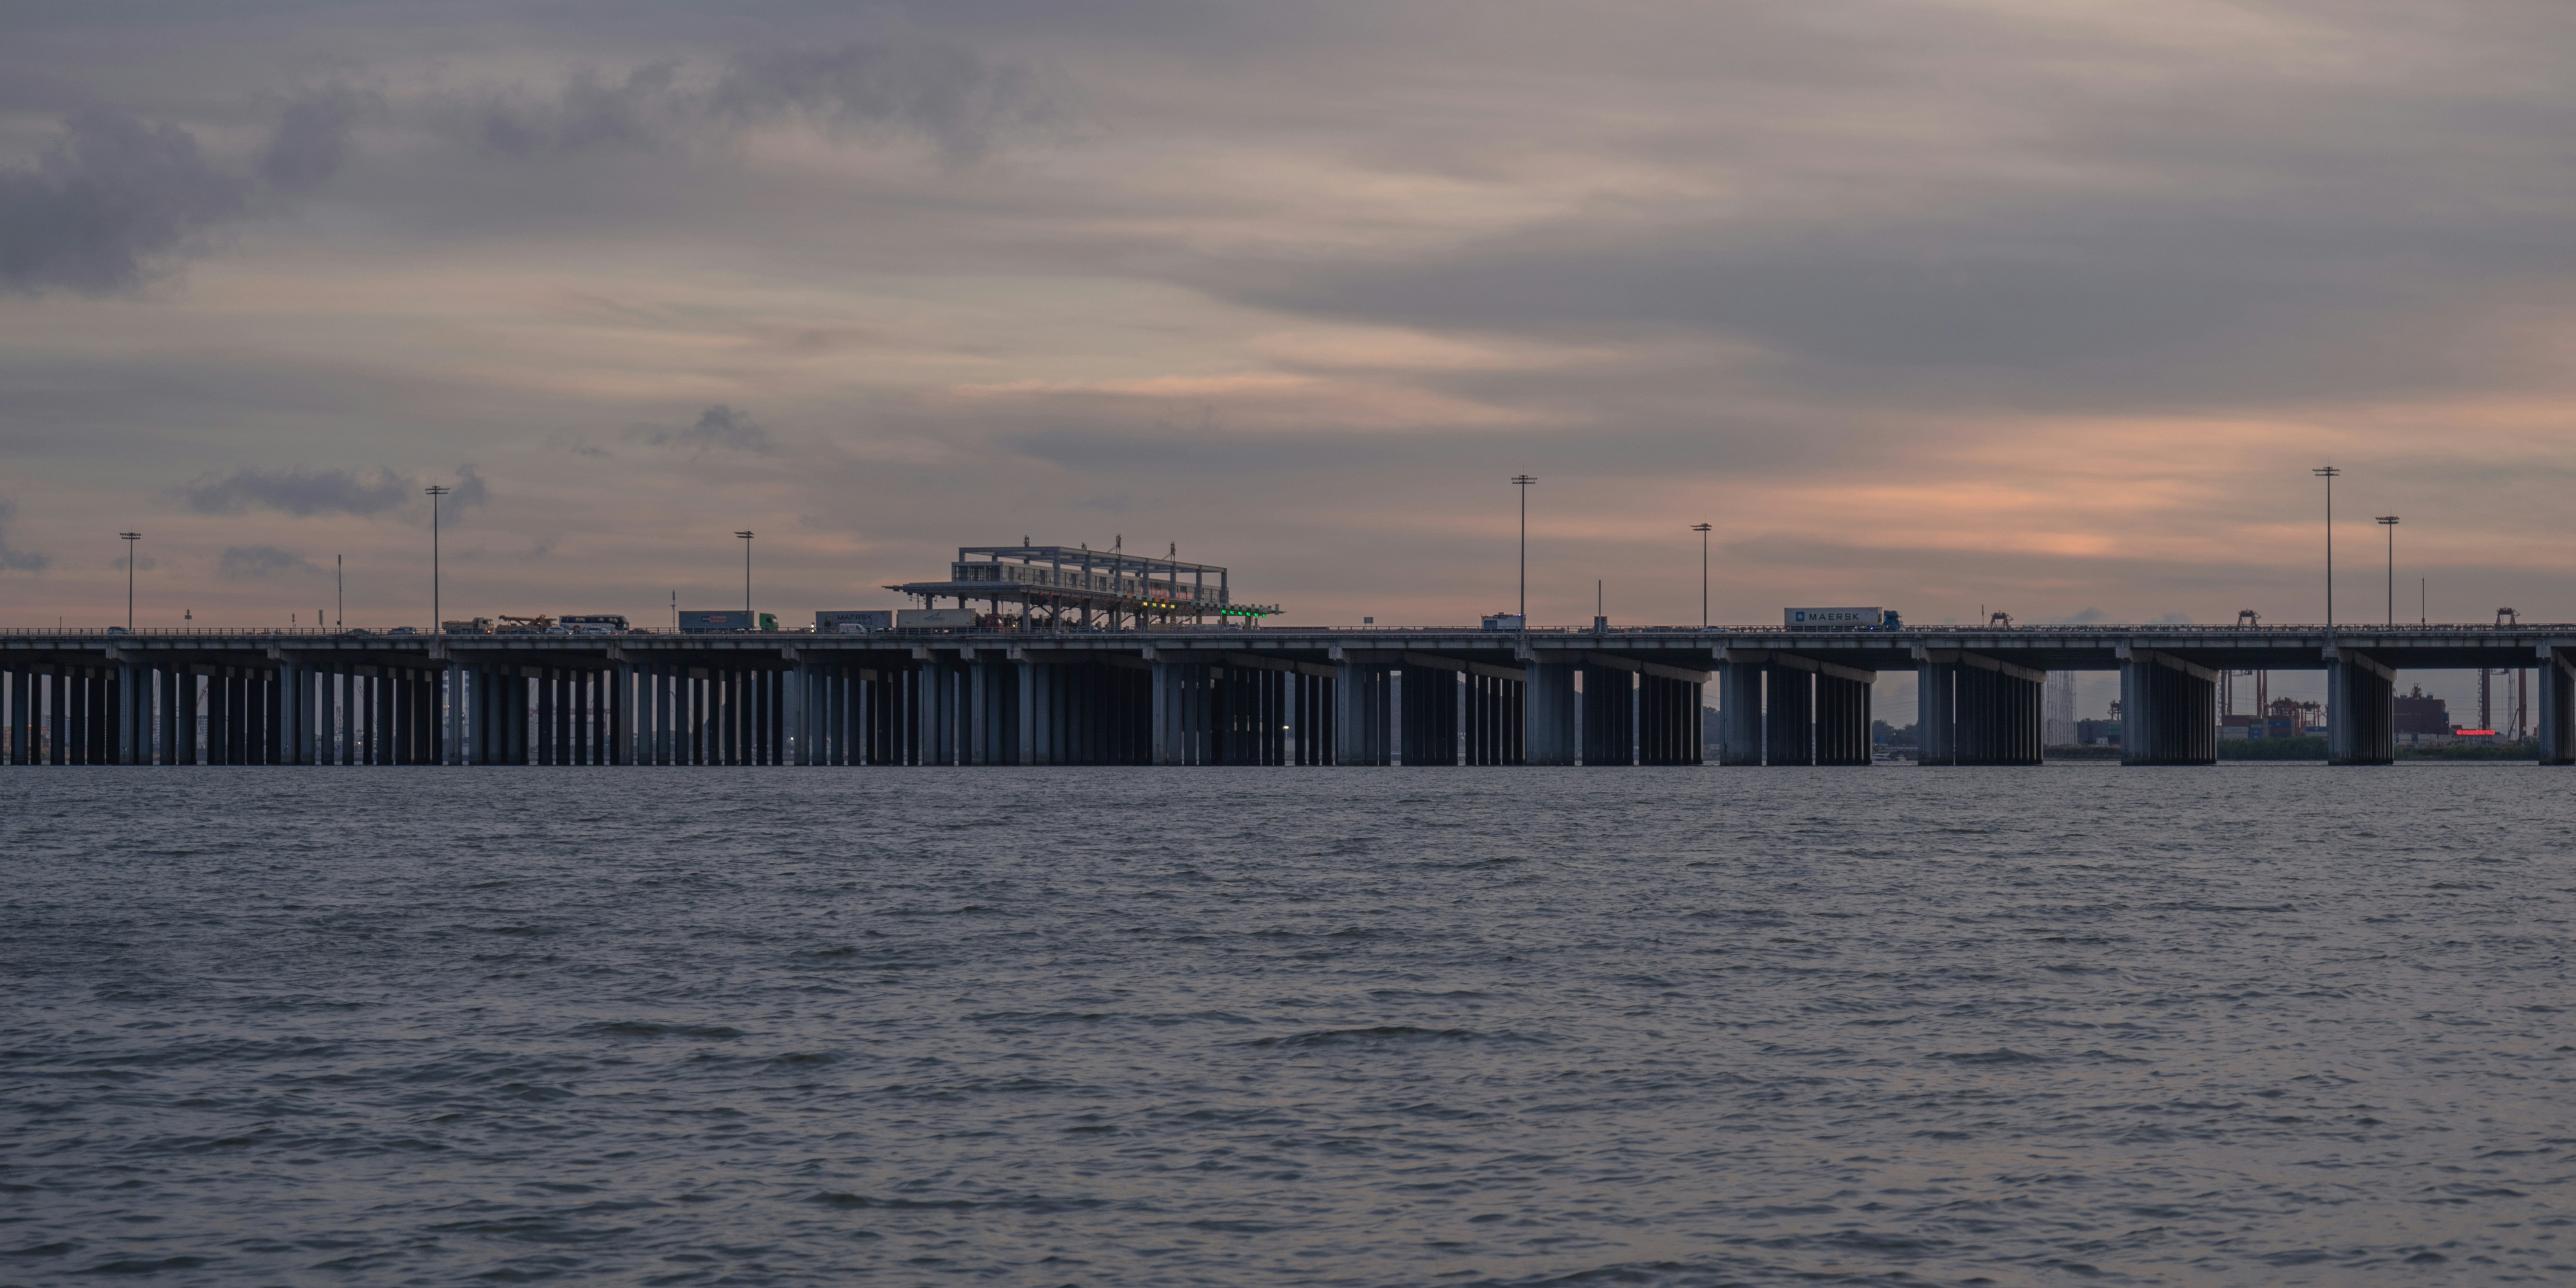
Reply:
x=1272, y=696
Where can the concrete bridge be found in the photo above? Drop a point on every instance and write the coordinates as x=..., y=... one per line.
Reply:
x=1266, y=696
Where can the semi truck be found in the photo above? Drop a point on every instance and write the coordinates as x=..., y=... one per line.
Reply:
x=1839, y=619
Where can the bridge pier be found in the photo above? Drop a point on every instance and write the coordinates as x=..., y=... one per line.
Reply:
x=1789, y=711
x=1843, y=715
x=1971, y=709
x=2555, y=706
x=2361, y=709
x=1609, y=712
x=1739, y=713
x=1497, y=715
x=1429, y=729
x=295, y=711
x=2168, y=710
x=1668, y=720
x=1168, y=747
x=1554, y=736
x=936, y=733
x=1360, y=733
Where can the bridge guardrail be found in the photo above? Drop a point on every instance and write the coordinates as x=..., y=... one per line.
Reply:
x=1272, y=632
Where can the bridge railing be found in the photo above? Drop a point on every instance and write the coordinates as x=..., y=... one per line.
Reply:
x=1273, y=631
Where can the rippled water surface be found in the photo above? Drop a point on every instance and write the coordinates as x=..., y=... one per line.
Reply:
x=2246, y=1025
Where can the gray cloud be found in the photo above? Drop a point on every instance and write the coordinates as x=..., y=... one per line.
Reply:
x=639, y=114
x=935, y=89
x=13, y=559
x=944, y=91
x=263, y=563
x=305, y=493
x=312, y=137
x=113, y=200
x=470, y=489
x=106, y=204
x=719, y=428
x=299, y=492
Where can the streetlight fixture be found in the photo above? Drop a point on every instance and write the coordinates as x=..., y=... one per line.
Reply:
x=1702, y=530
x=437, y=615
x=2329, y=474
x=1523, y=482
x=129, y=538
x=749, y=622
x=2389, y=521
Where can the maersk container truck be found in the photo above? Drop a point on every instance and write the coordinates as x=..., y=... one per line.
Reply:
x=1834, y=619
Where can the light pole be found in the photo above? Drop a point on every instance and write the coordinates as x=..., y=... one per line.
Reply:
x=1523, y=482
x=437, y=616
x=129, y=538
x=748, y=621
x=1702, y=530
x=2389, y=521
x=2329, y=474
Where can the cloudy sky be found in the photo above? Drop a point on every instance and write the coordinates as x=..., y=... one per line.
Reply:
x=2046, y=307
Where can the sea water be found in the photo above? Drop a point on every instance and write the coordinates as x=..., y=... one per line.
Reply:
x=2239, y=1025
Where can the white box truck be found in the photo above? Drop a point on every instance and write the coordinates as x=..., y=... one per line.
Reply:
x=934, y=619
x=853, y=621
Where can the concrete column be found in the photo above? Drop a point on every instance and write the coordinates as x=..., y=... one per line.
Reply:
x=1997, y=712
x=1350, y=714
x=2557, y=708
x=1843, y=714
x=294, y=713
x=1167, y=713
x=129, y=704
x=795, y=704
x=1789, y=712
x=653, y=715
x=2361, y=709
x=1936, y=710
x=1553, y=736
x=1036, y=728
x=451, y=697
x=1739, y=713
x=1609, y=700
x=935, y=733
x=2168, y=710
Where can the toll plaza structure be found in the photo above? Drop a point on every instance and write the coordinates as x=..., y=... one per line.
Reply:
x=1185, y=696
x=1077, y=587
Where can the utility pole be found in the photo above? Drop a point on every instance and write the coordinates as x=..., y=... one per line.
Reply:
x=129, y=538
x=749, y=622
x=1523, y=482
x=437, y=616
x=2389, y=521
x=340, y=588
x=2329, y=474
x=1702, y=530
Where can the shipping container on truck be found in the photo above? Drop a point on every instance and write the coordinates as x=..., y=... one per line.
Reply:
x=935, y=619
x=853, y=621
x=1834, y=619
x=699, y=621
